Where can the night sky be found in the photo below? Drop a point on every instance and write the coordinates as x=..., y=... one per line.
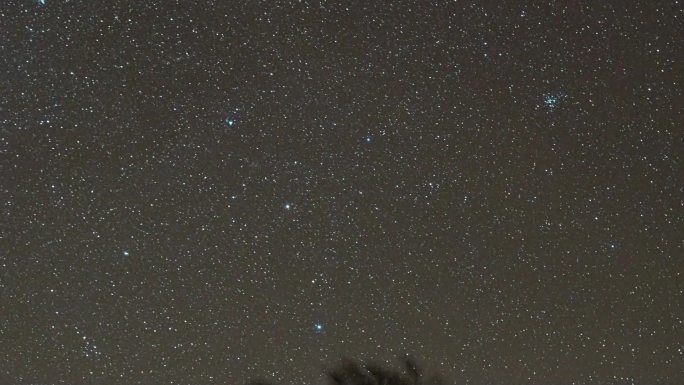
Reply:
x=205, y=192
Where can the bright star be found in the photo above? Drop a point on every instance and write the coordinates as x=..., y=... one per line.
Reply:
x=287, y=206
x=318, y=327
x=125, y=253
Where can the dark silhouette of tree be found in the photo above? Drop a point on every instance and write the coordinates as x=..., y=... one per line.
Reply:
x=350, y=372
x=354, y=373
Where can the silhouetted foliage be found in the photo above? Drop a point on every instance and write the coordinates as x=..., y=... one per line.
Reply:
x=350, y=372
x=354, y=373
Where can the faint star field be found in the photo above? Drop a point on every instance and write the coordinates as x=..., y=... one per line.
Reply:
x=216, y=191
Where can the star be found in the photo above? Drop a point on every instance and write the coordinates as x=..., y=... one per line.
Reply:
x=287, y=206
x=318, y=327
x=125, y=253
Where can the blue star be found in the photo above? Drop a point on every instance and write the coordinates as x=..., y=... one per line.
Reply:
x=230, y=122
x=318, y=327
x=126, y=253
x=41, y=2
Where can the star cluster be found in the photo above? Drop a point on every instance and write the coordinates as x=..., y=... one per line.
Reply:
x=207, y=192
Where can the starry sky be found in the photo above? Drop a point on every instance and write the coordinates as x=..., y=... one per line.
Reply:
x=205, y=192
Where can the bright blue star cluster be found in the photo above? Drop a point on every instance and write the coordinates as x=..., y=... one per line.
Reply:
x=552, y=100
